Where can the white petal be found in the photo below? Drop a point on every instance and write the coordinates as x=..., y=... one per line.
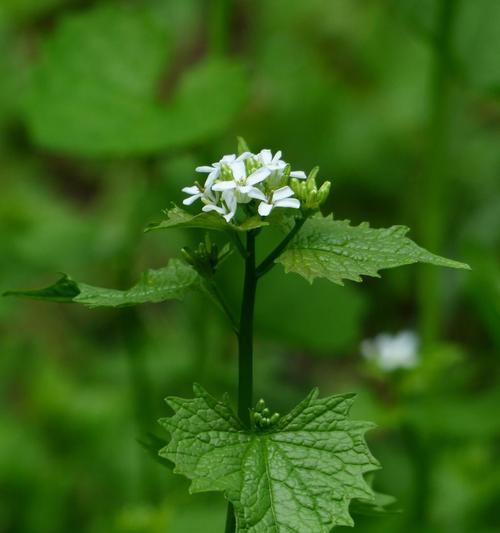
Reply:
x=276, y=166
x=281, y=193
x=266, y=156
x=300, y=174
x=228, y=158
x=230, y=199
x=288, y=202
x=277, y=156
x=212, y=207
x=265, y=209
x=204, y=169
x=243, y=156
x=211, y=178
x=191, y=199
x=224, y=186
x=239, y=170
x=259, y=175
x=257, y=194
x=191, y=190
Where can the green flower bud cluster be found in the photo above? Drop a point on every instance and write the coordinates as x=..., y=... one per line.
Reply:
x=261, y=416
x=307, y=190
x=207, y=257
x=226, y=174
x=252, y=164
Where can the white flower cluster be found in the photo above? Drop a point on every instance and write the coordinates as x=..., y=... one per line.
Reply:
x=239, y=180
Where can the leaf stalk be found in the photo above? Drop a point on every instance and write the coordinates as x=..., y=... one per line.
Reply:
x=269, y=262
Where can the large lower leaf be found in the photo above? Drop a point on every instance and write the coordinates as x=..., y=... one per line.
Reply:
x=179, y=218
x=96, y=90
x=333, y=249
x=170, y=282
x=299, y=476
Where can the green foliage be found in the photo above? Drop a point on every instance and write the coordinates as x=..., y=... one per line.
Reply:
x=170, y=282
x=300, y=475
x=335, y=250
x=322, y=318
x=23, y=9
x=179, y=218
x=95, y=91
x=477, y=42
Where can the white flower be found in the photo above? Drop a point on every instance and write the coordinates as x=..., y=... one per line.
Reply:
x=391, y=352
x=227, y=207
x=276, y=164
x=241, y=179
x=243, y=186
x=197, y=191
x=214, y=171
x=280, y=198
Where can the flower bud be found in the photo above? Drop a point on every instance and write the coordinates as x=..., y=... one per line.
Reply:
x=206, y=258
x=252, y=164
x=226, y=173
x=275, y=418
x=311, y=185
x=257, y=418
x=324, y=191
x=261, y=404
x=307, y=190
x=242, y=146
x=313, y=173
x=295, y=186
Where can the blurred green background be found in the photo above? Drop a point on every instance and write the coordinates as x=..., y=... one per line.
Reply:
x=107, y=106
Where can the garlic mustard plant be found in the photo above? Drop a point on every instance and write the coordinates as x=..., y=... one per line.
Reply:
x=299, y=471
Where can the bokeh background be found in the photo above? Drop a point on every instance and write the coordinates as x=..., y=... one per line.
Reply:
x=107, y=106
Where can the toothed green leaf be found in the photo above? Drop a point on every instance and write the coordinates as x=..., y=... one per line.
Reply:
x=170, y=282
x=335, y=250
x=299, y=476
x=179, y=218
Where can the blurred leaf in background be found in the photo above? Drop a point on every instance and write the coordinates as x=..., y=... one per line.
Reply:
x=99, y=85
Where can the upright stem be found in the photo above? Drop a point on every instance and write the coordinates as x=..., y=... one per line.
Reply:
x=245, y=338
x=219, y=26
x=434, y=186
x=245, y=350
x=433, y=216
x=230, y=519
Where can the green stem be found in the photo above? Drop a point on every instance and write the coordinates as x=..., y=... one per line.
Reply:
x=269, y=262
x=220, y=15
x=245, y=338
x=230, y=519
x=245, y=349
x=434, y=186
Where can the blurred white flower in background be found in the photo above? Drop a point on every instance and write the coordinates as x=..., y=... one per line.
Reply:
x=391, y=352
